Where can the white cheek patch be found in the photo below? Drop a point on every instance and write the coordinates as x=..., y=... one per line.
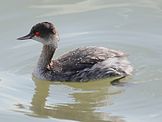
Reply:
x=37, y=39
x=50, y=41
x=53, y=42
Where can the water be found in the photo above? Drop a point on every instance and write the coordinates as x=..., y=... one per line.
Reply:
x=128, y=25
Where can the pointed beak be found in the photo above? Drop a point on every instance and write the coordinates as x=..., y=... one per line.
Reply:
x=29, y=36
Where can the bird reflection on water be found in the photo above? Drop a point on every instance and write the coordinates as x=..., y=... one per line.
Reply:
x=92, y=96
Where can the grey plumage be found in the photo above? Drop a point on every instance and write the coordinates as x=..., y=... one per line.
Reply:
x=91, y=63
x=82, y=64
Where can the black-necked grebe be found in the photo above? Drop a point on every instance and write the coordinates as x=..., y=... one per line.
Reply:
x=81, y=64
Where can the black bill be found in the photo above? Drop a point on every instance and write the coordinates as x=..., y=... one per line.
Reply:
x=29, y=36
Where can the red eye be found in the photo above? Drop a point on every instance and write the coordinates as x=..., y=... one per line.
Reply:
x=37, y=34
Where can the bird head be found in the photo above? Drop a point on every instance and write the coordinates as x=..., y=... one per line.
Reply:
x=44, y=32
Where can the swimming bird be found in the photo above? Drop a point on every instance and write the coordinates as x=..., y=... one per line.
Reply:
x=82, y=64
